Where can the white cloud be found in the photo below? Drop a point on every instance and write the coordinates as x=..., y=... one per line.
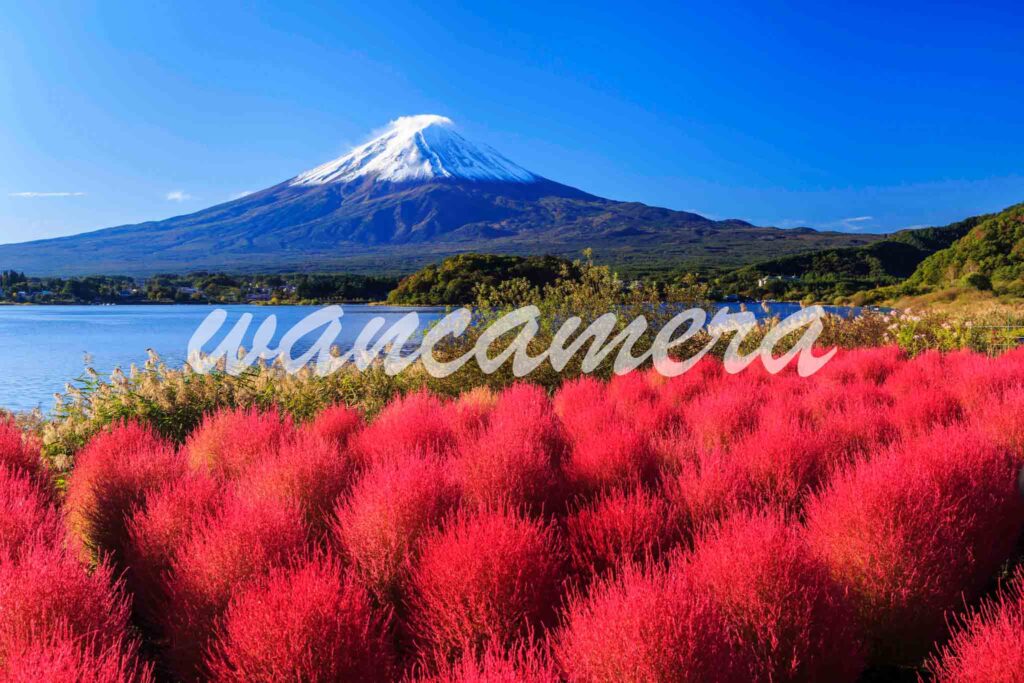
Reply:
x=852, y=224
x=178, y=196
x=33, y=195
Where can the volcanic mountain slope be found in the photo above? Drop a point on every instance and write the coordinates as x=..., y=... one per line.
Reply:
x=417, y=193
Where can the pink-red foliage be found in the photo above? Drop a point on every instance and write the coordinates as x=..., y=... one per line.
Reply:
x=786, y=610
x=311, y=622
x=621, y=527
x=486, y=578
x=708, y=489
x=160, y=528
x=417, y=423
x=987, y=644
x=725, y=413
x=229, y=441
x=388, y=510
x=516, y=459
x=612, y=454
x=648, y=625
x=60, y=657
x=783, y=460
x=525, y=662
x=46, y=589
x=25, y=513
x=245, y=540
x=336, y=424
x=19, y=451
x=912, y=531
x=112, y=475
x=307, y=470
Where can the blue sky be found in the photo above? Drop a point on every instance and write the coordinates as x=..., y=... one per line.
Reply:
x=868, y=118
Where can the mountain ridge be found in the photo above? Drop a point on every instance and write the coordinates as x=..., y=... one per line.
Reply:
x=417, y=193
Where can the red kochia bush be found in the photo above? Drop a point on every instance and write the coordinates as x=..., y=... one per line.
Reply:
x=229, y=441
x=516, y=458
x=417, y=423
x=787, y=611
x=525, y=662
x=725, y=413
x=58, y=657
x=621, y=527
x=911, y=530
x=243, y=541
x=388, y=510
x=613, y=453
x=638, y=398
x=608, y=449
x=336, y=424
x=308, y=470
x=25, y=513
x=112, y=474
x=648, y=626
x=709, y=489
x=47, y=589
x=20, y=452
x=160, y=528
x=487, y=577
x=783, y=460
x=312, y=622
x=987, y=644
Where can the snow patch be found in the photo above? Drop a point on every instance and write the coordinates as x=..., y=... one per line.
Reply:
x=423, y=147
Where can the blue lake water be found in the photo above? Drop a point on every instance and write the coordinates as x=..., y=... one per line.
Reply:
x=46, y=346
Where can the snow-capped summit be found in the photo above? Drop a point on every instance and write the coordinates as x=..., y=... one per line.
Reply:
x=424, y=147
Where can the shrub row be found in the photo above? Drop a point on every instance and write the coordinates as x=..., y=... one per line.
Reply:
x=711, y=527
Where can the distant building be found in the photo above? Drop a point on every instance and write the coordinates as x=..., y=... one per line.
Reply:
x=764, y=281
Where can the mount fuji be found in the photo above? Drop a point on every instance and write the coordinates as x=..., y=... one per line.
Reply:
x=418, y=192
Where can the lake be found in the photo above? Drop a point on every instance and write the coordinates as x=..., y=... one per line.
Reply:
x=46, y=346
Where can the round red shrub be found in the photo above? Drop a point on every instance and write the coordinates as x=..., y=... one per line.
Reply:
x=472, y=411
x=613, y=454
x=788, y=613
x=19, y=451
x=874, y=365
x=783, y=460
x=60, y=657
x=308, y=470
x=160, y=528
x=25, y=513
x=1002, y=420
x=648, y=626
x=487, y=577
x=416, y=423
x=637, y=398
x=987, y=644
x=388, y=510
x=337, y=424
x=724, y=413
x=516, y=458
x=113, y=474
x=313, y=622
x=913, y=531
x=621, y=527
x=524, y=662
x=574, y=403
x=45, y=589
x=709, y=489
x=244, y=540
x=229, y=441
